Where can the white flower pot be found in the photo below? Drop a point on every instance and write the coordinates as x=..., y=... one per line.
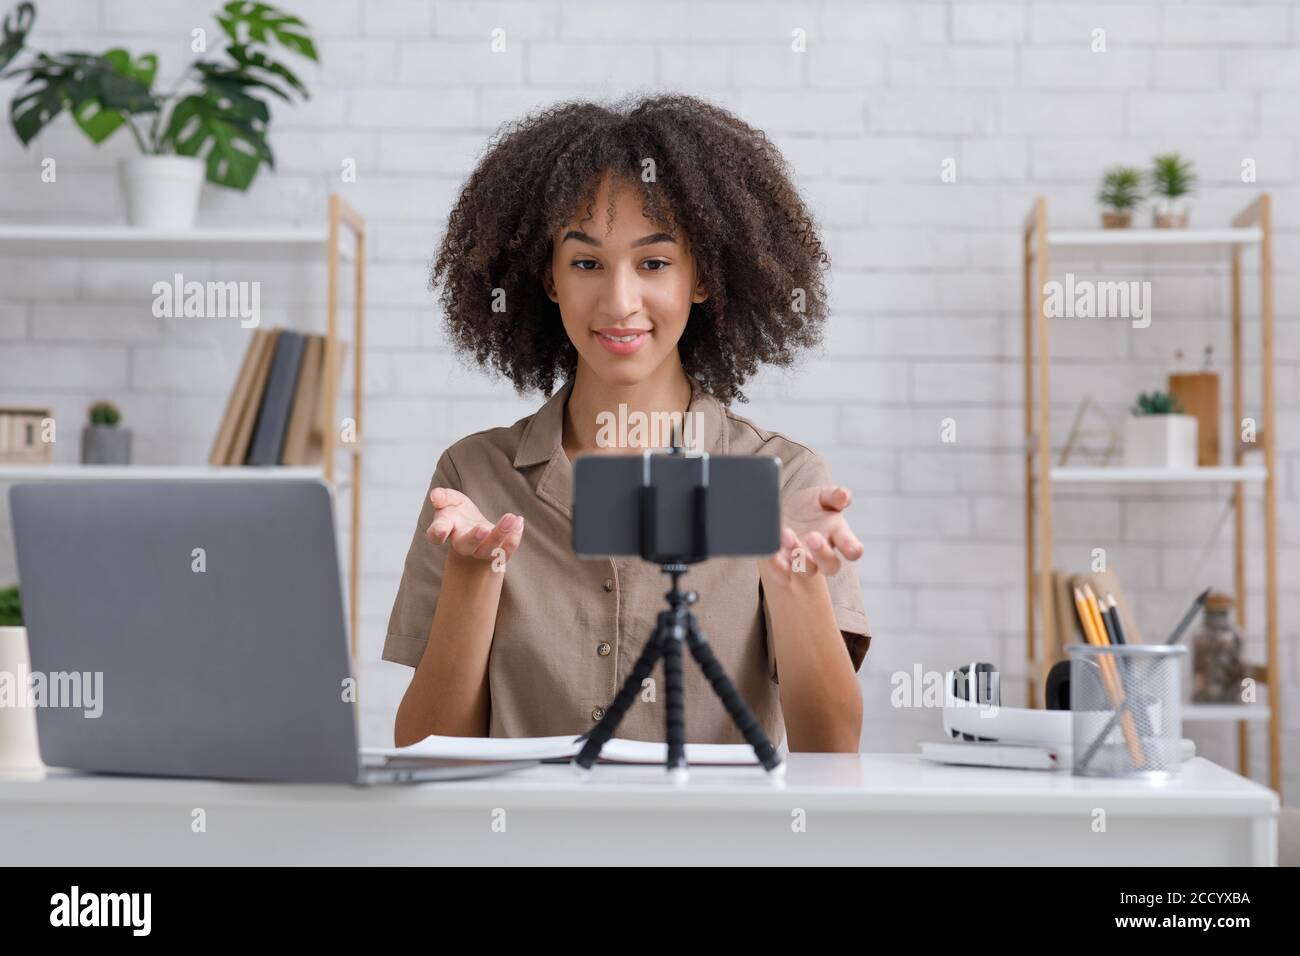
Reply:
x=162, y=192
x=19, y=753
x=1160, y=441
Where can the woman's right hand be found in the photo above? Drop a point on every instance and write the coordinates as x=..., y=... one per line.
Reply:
x=458, y=520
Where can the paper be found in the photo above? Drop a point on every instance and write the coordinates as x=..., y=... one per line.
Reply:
x=616, y=750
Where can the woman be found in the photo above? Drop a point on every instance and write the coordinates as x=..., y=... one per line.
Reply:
x=704, y=265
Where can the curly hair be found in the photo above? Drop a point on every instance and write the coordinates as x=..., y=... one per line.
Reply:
x=757, y=248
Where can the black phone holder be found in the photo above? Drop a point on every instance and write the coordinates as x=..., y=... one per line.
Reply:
x=649, y=525
x=677, y=625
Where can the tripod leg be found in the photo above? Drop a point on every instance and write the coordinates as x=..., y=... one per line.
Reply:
x=676, y=704
x=730, y=697
x=599, y=735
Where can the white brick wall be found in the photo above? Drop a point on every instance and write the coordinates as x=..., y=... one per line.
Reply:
x=925, y=279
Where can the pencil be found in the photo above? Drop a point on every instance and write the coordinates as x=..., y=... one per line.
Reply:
x=1094, y=609
x=1113, y=607
x=1094, y=631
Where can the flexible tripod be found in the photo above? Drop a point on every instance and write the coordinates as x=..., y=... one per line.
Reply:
x=674, y=625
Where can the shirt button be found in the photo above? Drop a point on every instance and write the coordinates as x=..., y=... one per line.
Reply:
x=609, y=584
x=603, y=649
x=597, y=713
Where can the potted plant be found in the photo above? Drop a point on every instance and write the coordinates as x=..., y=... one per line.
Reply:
x=1158, y=435
x=102, y=441
x=212, y=124
x=1172, y=181
x=19, y=752
x=1120, y=194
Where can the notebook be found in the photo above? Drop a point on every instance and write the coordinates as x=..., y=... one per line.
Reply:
x=993, y=754
x=564, y=747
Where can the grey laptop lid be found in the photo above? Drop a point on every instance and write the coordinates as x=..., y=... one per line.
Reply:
x=229, y=666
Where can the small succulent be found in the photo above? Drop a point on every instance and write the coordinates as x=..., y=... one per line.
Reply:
x=1121, y=188
x=1172, y=176
x=104, y=413
x=11, y=609
x=1157, y=403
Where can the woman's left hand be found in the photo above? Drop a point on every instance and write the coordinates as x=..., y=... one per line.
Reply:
x=815, y=522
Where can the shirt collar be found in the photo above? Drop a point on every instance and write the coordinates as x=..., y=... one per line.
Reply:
x=543, y=436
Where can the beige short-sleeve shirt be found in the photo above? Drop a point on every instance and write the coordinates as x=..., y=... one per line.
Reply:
x=569, y=630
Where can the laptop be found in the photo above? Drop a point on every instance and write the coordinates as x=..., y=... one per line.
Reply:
x=195, y=628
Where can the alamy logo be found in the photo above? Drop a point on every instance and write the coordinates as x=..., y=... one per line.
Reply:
x=1085, y=299
x=208, y=300
x=649, y=429
x=71, y=689
x=102, y=909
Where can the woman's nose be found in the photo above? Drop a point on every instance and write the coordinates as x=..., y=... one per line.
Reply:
x=623, y=292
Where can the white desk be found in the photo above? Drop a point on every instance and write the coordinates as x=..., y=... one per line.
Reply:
x=863, y=809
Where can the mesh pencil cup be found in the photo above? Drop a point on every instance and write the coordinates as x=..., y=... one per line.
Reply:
x=1126, y=703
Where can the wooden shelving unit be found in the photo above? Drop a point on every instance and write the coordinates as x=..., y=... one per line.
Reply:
x=73, y=239
x=1252, y=228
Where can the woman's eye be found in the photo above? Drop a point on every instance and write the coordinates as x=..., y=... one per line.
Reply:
x=659, y=264
x=583, y=264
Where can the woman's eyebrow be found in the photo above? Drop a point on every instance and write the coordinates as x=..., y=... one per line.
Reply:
x=593, y=241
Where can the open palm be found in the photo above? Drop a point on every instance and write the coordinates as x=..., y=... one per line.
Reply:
x=458, y=520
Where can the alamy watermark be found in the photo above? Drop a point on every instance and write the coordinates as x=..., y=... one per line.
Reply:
x=127, y=910
x=208, y=300
x=918, y=688
x=1086, y=299
x=635, y=429
x=82, y=690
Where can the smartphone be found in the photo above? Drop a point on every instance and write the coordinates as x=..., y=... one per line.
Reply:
x=740, y=508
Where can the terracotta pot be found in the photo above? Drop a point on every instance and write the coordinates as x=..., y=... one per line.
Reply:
x=1116, y=219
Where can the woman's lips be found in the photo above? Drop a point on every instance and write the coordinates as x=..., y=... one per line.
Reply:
x=621, y=343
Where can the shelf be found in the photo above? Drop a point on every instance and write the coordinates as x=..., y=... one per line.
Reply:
x=1153, y=238
x=10, y=473
x=1139, y=250
x=90, y=238
x=1069, y=475
x=1224, y=713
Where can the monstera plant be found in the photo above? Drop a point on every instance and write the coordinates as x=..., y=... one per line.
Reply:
x=211, y=124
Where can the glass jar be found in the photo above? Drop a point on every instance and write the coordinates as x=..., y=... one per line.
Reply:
x=1217, y=670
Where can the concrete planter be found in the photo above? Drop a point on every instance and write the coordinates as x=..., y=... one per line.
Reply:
x=105, y=445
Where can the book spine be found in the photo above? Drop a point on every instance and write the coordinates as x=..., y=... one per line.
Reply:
x=273, y=420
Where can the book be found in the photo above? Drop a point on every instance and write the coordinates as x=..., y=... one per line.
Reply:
x=992, y=754
x=273, y=418
x=252, y=402
x=221, y=445
x=1198, y=394
x=1016, y=756
x=306, y=404
x=617, y=750
x=322, y=417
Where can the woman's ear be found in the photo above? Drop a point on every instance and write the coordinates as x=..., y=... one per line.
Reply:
x=548, y=283
x=700, y=293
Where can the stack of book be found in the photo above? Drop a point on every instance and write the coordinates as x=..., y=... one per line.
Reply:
x=276, y=413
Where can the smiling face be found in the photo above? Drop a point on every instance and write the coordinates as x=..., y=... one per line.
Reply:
x=624, y=292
